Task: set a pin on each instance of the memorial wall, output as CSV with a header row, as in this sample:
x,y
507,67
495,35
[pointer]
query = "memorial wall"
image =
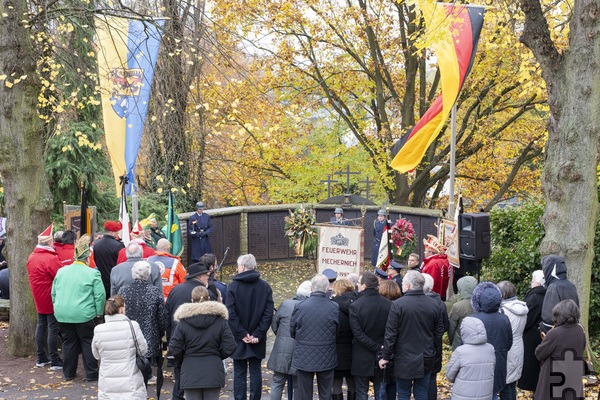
x,y
260,229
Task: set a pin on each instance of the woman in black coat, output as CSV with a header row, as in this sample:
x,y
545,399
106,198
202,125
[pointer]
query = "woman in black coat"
x,y
343,296
203,339
531,335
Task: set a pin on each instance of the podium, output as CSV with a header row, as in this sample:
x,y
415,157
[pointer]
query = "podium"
x,y
340,248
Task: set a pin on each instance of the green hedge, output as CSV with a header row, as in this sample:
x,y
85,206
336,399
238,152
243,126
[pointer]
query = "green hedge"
x,y
516,235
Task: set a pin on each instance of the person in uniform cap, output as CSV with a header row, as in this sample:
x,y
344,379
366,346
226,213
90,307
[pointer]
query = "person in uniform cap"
x,y
381,274
378,227
199,229
106,251
338,218
393,272
330,274
331,277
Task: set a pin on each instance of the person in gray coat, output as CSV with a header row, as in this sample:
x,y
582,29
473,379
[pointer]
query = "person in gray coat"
x,y
314,325
280,361
120,275
460,309
471,366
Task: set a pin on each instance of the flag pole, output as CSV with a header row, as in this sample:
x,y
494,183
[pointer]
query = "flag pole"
x,y
134,200
450,214
388,222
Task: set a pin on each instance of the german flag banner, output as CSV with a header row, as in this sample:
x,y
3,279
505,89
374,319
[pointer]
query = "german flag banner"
x,y
455,54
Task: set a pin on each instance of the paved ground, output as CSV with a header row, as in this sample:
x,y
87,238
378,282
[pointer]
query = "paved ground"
x,y
20,379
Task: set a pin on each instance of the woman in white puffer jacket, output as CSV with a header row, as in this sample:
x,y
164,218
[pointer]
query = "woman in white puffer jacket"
x,y
113,344
516,311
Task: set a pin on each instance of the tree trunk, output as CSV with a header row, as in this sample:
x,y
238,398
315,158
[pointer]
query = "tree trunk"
x,y
27,196
569,180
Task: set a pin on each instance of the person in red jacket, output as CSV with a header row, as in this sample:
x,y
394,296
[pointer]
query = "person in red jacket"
x,y
65,247
42,266
436,264
137,236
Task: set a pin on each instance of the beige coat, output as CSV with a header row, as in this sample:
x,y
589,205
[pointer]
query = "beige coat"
x,y
113,345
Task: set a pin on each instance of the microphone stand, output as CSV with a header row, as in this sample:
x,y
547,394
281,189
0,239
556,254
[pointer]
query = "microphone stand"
x,y
221,264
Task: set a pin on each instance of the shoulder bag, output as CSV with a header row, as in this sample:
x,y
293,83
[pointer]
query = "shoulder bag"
x,y
142,362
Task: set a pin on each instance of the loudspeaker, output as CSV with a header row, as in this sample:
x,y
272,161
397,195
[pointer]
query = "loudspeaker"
x,y
474,236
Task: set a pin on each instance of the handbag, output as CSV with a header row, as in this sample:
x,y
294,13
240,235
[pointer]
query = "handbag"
x,y
141,362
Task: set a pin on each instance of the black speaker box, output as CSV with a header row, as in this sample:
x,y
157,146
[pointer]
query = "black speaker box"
x,y
474,236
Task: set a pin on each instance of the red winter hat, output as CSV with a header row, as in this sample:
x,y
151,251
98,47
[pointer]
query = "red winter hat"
x,y
112,226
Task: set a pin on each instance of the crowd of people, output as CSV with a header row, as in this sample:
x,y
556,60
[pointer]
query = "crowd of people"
x,y
114,304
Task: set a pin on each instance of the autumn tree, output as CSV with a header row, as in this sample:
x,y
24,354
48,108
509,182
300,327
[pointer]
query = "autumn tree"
x,y
363,61
173,142
28,201
564,39
43,47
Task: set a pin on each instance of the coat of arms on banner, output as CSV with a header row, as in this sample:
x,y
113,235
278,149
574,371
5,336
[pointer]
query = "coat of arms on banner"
x,y
126,83
340,240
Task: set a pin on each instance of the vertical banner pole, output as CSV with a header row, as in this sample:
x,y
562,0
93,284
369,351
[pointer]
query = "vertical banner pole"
x,y
450,214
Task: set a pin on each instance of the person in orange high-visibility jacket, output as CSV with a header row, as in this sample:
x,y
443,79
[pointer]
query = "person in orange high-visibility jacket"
x,y
173,272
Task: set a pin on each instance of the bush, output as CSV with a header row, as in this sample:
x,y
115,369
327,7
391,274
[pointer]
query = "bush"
x,y
516,235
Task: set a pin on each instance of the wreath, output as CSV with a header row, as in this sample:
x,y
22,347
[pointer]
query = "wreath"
x,y
403,237
300,230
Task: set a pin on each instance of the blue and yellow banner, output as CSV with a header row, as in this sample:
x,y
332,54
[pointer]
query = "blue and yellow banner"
x,y
127,54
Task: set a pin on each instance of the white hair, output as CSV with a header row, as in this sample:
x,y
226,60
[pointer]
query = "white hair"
x,y
304,289
141,270
247,261
319,283
428,286
538,277
414,280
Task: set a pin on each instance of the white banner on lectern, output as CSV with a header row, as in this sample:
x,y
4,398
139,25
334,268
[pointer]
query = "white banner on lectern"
x,y
340,248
